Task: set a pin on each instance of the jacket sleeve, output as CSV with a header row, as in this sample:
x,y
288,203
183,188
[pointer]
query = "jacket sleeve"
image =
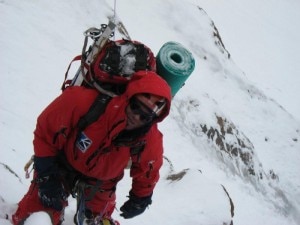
x,y
145,168
58,119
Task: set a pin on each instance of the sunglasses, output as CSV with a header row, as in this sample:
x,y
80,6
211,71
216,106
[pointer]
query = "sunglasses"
x,y
137,108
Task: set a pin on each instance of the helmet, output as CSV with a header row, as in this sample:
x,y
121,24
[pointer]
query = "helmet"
x,y
153,102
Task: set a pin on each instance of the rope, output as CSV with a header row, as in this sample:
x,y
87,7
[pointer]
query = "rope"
x,y
115,15
115,9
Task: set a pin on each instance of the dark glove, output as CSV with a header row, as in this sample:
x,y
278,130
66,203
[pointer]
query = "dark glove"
x,y
52,194
51,191
135,206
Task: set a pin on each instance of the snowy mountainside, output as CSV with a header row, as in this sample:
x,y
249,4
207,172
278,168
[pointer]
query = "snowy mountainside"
x,y
235,100
231,152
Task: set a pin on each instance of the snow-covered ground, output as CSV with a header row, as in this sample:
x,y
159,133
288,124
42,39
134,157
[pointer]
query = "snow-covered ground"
x,y
234,129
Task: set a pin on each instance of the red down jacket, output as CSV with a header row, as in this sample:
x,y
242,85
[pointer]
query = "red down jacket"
x,y
100,158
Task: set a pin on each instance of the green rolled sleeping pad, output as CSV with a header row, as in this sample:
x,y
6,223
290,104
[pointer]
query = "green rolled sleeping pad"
x,y
175,64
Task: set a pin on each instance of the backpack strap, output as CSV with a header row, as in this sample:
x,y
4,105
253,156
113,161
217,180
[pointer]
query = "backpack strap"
x,y
95,111
141,62
66,82
137,150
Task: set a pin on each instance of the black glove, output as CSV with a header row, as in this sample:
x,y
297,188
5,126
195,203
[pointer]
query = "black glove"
x,y
135,206
52,194
51,191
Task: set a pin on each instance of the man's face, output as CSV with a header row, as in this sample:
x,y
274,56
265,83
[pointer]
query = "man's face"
x,y
138,114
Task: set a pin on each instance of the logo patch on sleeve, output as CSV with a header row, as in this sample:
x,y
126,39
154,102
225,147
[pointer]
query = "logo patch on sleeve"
x,y
83,142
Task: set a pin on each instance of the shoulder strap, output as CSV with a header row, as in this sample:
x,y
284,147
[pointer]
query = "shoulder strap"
x,y
95,111
141,62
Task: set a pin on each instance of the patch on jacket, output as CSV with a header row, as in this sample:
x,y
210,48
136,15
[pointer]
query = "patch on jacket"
x,y
83,142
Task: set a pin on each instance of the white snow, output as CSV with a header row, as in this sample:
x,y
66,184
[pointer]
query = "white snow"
x,y
36,218
251,87
127,60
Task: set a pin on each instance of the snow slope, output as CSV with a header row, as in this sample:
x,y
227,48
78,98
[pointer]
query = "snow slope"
x,y
268,29
233,132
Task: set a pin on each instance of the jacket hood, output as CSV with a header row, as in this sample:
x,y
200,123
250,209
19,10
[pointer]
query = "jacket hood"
x,y
150,82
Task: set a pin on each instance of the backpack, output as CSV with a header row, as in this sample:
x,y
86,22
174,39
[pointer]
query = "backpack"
x,y
108,69
113,67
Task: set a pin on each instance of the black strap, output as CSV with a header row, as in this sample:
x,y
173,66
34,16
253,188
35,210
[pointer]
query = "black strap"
x,y
138,148
95,111
93,190
141,62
